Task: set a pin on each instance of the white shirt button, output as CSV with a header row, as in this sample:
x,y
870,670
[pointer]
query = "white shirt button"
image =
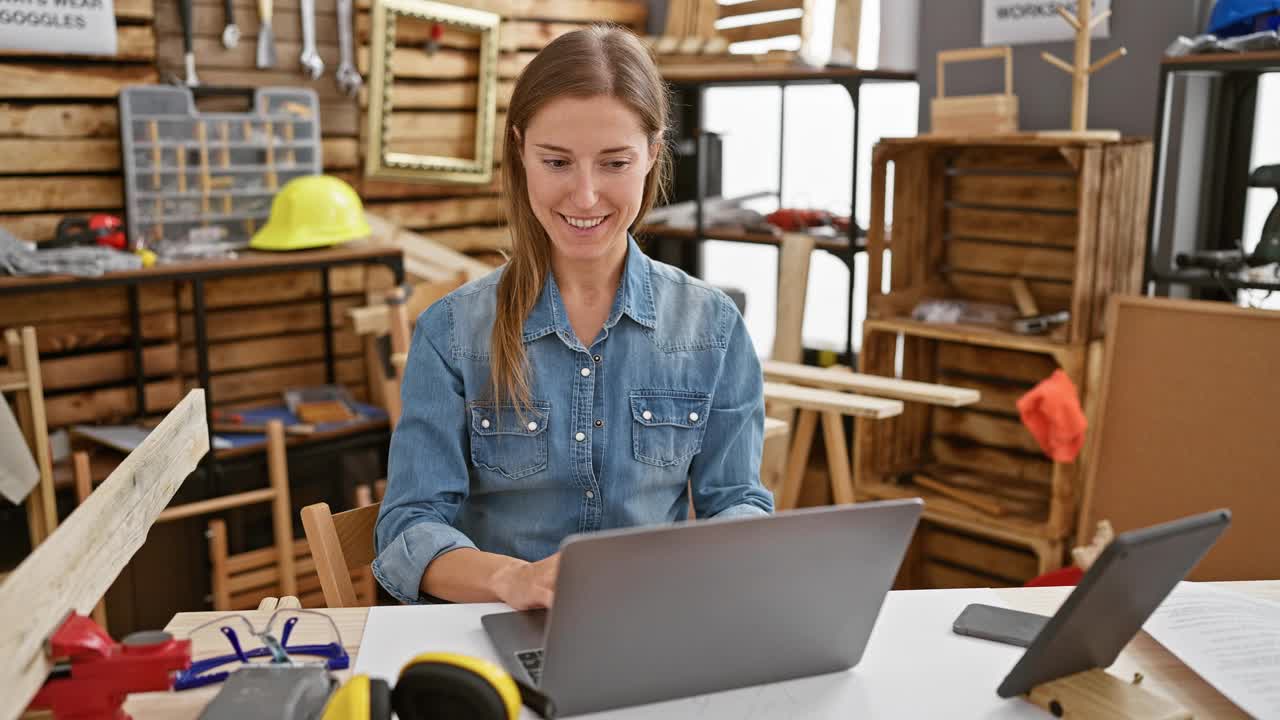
x,y
533,426
693,417
590,494
646,415
484,424
580,437
586,372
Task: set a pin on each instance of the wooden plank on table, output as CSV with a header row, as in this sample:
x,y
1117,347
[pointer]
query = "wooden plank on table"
x,y
1014,565
269,320
30,155
1022,260
762,31
111,366
1050,295
1021,226
444,94
844,403
985,429
84,192
26,80
1041,192
429,214
879,386
110,404
988,461
38,308
133,44
74,567
275,287
59,120
230,387
623,12
245,354
751,7
1021,159
1013,365
86,333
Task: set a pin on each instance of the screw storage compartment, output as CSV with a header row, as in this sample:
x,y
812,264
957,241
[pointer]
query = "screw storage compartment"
x,y
185,169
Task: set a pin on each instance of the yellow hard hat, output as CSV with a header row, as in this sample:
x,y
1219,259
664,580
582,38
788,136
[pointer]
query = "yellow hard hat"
x,y
312,211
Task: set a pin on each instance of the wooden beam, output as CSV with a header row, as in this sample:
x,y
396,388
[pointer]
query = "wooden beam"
x,y
876,385
844,403
87,81
59,121
623,12
29,155
443,94
101,368
115,402
429,214
18,194
75,566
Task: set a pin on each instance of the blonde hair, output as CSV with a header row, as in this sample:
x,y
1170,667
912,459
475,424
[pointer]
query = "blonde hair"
x,y
597,60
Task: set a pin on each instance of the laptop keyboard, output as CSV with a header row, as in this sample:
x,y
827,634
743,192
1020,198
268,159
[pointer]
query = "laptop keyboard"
x,y
532,662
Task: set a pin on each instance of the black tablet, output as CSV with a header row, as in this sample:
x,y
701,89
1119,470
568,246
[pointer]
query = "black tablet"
x,y
1129,580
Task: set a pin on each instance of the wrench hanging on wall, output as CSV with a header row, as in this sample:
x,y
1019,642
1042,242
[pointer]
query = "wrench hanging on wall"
x,y
230,33
348,77
266,42
312,65
188,56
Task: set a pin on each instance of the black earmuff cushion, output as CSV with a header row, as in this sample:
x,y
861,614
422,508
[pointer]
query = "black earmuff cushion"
x,y
379,699
440,691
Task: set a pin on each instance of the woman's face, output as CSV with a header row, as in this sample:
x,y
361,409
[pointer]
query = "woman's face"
x,y
585,163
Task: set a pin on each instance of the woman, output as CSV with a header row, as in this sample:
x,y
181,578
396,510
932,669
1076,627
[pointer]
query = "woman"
x,y
582,386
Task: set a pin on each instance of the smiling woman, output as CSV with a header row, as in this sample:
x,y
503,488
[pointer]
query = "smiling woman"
x,y
582,386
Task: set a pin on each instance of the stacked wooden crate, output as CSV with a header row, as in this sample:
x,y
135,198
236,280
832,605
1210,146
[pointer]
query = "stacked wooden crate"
x,y
971,215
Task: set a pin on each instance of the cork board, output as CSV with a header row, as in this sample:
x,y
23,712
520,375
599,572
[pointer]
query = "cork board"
x,y
1189,421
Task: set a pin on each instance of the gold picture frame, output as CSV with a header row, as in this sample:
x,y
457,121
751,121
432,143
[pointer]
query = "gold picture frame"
x,y
380,162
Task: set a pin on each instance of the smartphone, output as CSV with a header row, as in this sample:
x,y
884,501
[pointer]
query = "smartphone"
x,y
1012,627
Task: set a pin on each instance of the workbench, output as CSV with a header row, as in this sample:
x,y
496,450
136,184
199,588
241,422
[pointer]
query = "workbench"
x,y
1163,673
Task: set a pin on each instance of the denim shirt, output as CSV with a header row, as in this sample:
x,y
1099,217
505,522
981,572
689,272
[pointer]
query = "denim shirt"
x,y
668,396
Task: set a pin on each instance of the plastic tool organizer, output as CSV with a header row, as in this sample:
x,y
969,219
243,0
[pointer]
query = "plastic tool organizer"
x,y
186,170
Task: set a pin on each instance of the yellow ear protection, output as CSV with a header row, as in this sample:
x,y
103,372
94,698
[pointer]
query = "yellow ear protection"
x,y
436,686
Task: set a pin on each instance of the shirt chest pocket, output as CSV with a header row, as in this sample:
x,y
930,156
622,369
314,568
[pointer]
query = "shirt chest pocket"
x,y
668,425
504,441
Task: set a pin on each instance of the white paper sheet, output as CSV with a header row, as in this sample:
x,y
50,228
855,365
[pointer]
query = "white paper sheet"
x,y
1229,639
914,667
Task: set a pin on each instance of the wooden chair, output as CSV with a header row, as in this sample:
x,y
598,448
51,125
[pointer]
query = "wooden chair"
x,y
340,545
282,576
23,379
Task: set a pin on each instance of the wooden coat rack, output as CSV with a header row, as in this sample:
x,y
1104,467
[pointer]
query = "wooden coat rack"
x,y
1083,23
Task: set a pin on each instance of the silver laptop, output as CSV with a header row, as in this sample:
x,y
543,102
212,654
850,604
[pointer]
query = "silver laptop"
x,y
651,614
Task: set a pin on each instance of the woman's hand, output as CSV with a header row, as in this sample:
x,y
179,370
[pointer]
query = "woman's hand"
x,y
526,585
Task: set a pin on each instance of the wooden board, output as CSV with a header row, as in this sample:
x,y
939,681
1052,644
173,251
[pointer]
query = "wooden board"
x,y
75,566
1186,424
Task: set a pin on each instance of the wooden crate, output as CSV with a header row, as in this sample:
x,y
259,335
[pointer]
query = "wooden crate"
x,y
971,214
981,449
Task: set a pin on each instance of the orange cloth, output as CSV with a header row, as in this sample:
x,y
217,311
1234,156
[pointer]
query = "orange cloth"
x,y
1051,411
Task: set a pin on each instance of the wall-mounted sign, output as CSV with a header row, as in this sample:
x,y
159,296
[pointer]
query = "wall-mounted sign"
x,y
71,27
1015,22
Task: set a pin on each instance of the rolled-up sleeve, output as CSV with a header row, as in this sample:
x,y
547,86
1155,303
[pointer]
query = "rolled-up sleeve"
x,y
427,467
725,475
